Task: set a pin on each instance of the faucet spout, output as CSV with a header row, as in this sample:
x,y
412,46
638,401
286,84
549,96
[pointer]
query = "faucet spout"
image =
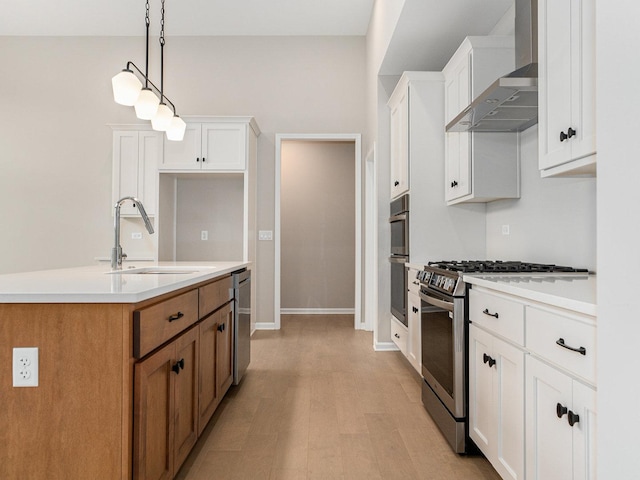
x,y
116,251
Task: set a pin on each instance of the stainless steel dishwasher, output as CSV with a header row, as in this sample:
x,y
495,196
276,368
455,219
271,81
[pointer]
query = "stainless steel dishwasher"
x,y
242,323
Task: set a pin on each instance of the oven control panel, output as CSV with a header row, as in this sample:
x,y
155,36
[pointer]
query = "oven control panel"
x,y
439,281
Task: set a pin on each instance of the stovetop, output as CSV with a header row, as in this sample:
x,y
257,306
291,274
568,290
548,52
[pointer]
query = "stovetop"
x,y
498,266
445,277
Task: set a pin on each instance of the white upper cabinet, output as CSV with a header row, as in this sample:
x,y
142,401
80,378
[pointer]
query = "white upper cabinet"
x,y
210,146
480,167
136,154
567,142
399,106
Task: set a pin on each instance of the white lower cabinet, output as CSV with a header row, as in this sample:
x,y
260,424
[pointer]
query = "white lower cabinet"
x,y
532,387
561,425
414,347
496,401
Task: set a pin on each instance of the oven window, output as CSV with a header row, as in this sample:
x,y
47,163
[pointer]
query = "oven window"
x,y
437,344
399,244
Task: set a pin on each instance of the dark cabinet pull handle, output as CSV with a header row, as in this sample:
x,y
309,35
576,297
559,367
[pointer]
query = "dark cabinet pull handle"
x,y
221,327
454,184
178,365
487,359
415,310
396,335
563,136
177,316
203,159
396,183
198,159
486,312
573,418
571,132
560,410
580,350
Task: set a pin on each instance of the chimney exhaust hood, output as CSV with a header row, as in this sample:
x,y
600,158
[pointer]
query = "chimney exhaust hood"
x,y
510,104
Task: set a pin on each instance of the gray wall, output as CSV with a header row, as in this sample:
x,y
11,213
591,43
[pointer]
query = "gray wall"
x,y
55,142
317,225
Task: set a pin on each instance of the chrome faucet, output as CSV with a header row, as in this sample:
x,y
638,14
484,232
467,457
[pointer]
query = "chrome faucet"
x,y
116,251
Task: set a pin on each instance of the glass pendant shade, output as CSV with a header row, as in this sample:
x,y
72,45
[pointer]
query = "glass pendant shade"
x,y
147,104
126,88
176,130
162,119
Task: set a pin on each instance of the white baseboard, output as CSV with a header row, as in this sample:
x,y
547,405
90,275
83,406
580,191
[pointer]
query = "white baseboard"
x,y
317,311
385,347
265,326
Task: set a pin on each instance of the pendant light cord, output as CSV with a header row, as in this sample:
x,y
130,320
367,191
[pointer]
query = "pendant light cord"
x,y
161,53
146,67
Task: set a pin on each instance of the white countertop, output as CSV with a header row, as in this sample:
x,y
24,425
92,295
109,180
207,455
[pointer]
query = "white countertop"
x,y
576,292
97,284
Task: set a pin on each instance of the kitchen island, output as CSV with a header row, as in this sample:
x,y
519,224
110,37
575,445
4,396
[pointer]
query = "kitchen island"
x,y
131,366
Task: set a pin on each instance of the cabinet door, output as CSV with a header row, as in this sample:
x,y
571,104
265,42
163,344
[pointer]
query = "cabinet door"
x,y
125,169
223,146
149,156
224,349
184,155
186,396
549,439
414,348
153,434
567,80
510,413
555,80
400,146
584,432
482,418
208,397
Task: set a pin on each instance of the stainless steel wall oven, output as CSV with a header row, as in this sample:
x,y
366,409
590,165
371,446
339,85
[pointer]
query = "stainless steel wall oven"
x,y
399,223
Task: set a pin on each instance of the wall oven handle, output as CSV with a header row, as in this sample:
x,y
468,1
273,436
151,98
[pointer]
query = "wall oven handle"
x,y
437,302
398,218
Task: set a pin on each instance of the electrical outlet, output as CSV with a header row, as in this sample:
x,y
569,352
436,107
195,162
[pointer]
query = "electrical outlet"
x,y
505,229
265,235
136,236
204,235
25,367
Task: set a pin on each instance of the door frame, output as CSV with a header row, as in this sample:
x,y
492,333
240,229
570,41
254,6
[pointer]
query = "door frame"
x,y
337,137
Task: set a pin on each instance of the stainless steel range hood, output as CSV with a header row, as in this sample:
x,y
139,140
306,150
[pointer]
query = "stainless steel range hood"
x,y
510,104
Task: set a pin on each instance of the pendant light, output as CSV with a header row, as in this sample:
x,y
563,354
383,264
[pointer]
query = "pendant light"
x,y
128,90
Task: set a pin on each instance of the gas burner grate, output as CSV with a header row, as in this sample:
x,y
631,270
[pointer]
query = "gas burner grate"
x,y
498,266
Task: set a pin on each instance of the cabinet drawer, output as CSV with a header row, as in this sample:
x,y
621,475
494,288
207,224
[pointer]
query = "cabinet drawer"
x,y
545,330
154,325
214,295
399,334
500,315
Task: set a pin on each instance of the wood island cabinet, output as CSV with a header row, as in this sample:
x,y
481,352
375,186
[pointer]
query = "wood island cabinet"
x,y
122,386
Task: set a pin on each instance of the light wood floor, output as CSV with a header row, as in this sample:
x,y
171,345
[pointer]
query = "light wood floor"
x,y
318,402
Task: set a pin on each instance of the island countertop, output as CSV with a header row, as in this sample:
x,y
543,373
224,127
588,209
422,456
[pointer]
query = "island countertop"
x,y
99,284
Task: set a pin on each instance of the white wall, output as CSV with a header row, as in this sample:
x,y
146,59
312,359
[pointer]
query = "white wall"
x,y
554,221
55,145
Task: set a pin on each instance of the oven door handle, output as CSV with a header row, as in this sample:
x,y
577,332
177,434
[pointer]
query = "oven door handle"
x,y
437,302
398,218
398,259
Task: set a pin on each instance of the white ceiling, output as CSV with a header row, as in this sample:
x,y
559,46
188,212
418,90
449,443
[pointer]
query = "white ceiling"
x,y
185,17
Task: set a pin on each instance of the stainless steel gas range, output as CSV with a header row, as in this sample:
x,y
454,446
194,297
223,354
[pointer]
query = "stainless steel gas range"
x,y
445,344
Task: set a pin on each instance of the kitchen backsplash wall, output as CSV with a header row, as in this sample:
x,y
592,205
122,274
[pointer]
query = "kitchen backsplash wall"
x,y
554,221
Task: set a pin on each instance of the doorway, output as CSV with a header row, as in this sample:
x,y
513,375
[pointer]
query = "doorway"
x,y
316,249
